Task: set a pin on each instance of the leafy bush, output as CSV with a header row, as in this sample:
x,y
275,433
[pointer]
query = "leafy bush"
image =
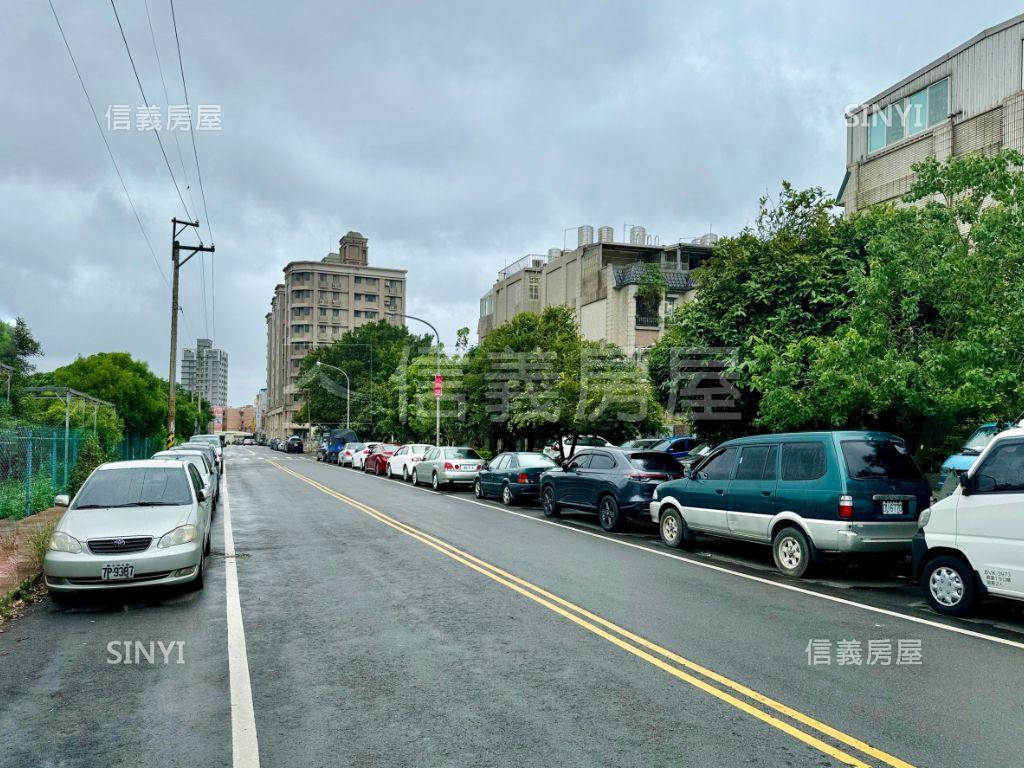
x,y
90,456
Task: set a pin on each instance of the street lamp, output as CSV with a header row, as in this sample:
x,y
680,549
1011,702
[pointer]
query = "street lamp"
x,y
437,375
348,393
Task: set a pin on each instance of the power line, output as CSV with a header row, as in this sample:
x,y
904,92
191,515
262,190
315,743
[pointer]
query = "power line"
x,y
145,101
199,172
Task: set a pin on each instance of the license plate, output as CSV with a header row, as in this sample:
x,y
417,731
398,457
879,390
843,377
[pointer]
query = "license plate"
x,y
892,507
118,572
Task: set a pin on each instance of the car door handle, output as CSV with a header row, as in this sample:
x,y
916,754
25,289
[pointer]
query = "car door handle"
x,y
720,491
766,493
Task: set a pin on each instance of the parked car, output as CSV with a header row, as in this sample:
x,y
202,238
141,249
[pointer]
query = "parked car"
x,y
640,443
293,444
207,470
336,440
678,447
696,455
210,454
971,543
616,484
958,463
248,441
446,465
559,450
512,476
405,458
132,523
346,454
376,461
359,457
216,441
802,493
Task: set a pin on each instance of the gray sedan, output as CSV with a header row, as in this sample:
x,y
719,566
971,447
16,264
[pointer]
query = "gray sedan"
x,y
133,523
446,465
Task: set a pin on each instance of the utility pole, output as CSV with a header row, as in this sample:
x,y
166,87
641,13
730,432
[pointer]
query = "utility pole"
x,y
177,227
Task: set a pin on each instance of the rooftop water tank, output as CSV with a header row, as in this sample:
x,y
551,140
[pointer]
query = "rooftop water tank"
x,y
585,235
637,235
606,235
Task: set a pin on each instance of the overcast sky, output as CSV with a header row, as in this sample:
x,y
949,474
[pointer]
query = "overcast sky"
x,y
457,136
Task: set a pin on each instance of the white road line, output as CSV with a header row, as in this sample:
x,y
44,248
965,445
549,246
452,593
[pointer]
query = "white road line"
x,y
740,574
245,751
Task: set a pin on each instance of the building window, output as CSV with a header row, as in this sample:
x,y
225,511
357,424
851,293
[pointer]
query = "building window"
x,y
534,289
487,306
907,117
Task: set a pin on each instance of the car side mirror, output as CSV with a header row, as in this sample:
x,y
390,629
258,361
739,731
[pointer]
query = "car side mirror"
x,y
62,500
201,494
965,484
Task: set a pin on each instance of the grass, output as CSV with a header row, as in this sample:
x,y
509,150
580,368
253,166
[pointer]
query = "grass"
x,y
40,542
12,496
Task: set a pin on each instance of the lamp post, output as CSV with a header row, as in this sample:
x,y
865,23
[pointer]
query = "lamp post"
x,y
437,375
348,393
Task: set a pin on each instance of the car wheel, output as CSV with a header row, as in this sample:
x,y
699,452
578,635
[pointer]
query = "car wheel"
x,y
547,500
949,586
434,483
206,549
405,473
478,489
506,496
793,552
415,479
388,472
608,513
673,528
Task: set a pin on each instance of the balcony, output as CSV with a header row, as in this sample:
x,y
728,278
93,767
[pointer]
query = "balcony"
x,y
648,321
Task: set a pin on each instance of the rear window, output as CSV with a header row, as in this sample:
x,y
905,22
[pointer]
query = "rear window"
x,y
803,461
534,460
138,486
876,459
588,441
460,453
655,461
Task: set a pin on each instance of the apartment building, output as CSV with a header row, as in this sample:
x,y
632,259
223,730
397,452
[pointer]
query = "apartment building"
x,y
204,371
601,281
968,100
318,302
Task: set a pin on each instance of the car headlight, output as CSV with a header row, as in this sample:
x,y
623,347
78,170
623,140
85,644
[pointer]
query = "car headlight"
x,y
181,535
922,521
62,542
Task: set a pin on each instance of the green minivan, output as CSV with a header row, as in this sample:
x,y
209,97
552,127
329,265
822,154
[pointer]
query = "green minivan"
x,y
804,493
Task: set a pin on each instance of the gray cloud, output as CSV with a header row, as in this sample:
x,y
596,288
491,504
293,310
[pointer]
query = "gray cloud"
x,y
456,136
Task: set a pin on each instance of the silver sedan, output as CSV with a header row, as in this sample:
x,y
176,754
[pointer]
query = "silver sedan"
x,y
133,523
447,465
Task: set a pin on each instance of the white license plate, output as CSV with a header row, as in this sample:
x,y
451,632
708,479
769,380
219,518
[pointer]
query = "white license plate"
x,y
892,507
118,572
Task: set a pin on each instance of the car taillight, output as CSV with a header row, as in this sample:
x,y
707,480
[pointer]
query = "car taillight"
x,y
449,465
523,478
647,476
416,458
846,506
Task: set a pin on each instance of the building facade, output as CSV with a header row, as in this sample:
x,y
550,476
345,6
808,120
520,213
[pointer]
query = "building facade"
x,y
204,371
602,282
260,411
239,419
968,100
318,302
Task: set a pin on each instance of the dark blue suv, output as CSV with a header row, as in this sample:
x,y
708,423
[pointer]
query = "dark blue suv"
x,y
617,484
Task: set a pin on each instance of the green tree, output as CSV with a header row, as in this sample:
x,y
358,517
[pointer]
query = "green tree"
x,y
931,344
785,279
17,348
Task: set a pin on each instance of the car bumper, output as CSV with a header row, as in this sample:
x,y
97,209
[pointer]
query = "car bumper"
x,y
64,572
525,489
655,511
467,478
918,549
857,538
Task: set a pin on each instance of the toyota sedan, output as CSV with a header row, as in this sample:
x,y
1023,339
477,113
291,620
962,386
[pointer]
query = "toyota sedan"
x,y
133,523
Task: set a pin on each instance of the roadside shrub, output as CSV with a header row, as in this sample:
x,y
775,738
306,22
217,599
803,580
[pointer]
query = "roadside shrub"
x,y
90,456
40,542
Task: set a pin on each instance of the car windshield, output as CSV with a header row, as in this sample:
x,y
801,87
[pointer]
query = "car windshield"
x,y
460,453
135,487
983,436
419,448
386,448
534,460
194,459
871,459
653,462
354,446
661,445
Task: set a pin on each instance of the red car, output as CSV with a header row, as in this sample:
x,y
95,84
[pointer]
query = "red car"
x,y
377,459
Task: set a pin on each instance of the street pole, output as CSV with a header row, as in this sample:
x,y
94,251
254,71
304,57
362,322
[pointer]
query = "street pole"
x,y
437,375
177,227
348,393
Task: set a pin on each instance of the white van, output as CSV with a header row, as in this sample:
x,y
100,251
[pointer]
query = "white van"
x,y
971,543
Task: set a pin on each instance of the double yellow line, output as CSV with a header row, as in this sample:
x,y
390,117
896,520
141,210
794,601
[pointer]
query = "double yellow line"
x,y
772,712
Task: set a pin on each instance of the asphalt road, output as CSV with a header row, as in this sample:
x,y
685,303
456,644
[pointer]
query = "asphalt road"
x,y
353,620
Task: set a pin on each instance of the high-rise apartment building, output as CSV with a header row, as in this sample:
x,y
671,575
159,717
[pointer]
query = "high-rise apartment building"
x,y
317,303
204,371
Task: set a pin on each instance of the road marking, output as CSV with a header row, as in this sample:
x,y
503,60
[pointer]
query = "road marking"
x,y
637,645
750,577
245,751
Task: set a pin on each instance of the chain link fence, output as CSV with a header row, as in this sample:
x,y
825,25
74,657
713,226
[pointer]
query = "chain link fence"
x,y
38,463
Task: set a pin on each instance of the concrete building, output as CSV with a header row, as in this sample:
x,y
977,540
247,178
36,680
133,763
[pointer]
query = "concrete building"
x,y
968,100
260,411
204,371
239,419
317,303
601,282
